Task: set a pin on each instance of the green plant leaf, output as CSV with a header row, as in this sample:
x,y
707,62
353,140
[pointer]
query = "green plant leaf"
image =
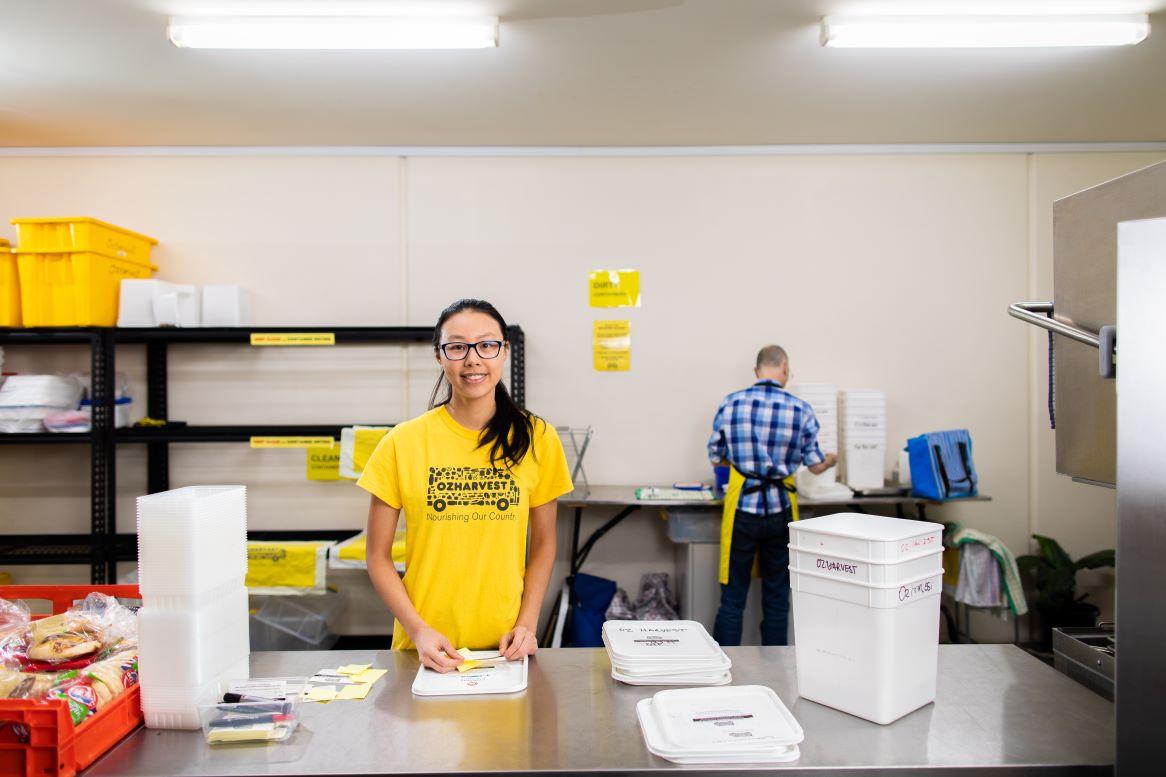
x,y
1098,560
1053,552
1031,564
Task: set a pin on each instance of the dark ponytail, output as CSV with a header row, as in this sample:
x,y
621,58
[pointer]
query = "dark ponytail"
x,y
510,432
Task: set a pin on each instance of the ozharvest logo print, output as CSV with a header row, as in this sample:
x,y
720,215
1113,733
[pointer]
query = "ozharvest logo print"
x,y
470,486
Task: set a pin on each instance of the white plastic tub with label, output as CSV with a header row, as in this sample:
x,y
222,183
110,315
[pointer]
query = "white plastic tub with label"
x,y
867,648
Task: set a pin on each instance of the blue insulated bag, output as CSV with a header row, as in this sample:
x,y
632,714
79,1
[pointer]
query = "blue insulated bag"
x,y
942,466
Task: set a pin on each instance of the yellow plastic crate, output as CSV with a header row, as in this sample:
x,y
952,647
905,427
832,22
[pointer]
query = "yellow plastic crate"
x,y
9,286
81,233
77,288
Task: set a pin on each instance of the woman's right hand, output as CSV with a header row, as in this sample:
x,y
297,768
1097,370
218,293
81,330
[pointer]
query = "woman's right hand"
x,y
435,651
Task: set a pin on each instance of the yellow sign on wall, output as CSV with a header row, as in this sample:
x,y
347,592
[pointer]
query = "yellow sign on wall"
x,y
324,463
612,345
614,288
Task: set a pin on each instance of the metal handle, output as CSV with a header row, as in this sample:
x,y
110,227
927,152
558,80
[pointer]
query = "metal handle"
x,y
1032,313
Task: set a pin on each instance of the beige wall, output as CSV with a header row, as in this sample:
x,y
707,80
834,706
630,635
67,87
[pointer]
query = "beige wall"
x,y
881,271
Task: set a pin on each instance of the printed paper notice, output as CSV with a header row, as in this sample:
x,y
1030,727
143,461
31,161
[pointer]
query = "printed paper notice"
x,y
614,288
613,346
324,463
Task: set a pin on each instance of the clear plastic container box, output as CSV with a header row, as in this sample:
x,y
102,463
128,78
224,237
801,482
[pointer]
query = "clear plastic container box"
x,y
192,544
182,649
297,622
249,722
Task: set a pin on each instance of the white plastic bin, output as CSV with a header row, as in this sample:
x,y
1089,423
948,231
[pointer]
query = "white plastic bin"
x,y
181,649
225,305
869,649
867,537
178,708
192,545
862,571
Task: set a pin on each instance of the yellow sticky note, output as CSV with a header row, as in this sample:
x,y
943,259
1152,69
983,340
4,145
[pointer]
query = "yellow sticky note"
x,y
612,345
352,668
324,463
321,693
369,676
353,692
614,288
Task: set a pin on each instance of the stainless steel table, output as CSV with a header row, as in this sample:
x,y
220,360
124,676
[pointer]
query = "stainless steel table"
x,y
998,710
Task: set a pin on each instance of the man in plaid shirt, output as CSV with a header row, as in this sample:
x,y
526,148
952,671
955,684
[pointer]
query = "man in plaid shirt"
x,y
765,433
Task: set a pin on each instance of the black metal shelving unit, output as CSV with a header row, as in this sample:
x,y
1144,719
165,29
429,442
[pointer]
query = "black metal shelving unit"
x,y
103,547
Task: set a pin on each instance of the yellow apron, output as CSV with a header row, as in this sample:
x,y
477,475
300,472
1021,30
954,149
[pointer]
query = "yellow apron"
x,y
732,496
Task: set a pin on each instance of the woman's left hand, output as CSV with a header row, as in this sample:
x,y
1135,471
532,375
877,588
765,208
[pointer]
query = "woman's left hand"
x,y
516,643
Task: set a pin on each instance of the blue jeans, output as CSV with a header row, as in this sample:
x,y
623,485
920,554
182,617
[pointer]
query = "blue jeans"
x,y
769,535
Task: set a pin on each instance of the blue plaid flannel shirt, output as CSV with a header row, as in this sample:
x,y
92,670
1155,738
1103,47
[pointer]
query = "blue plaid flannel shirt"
x,y
766,431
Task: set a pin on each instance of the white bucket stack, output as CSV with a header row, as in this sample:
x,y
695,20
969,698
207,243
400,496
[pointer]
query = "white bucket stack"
x,y
866,612
823,399
734,725
664,653
864,438
193,629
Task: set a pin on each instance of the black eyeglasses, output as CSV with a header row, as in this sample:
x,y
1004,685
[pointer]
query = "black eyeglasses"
x,y
487,349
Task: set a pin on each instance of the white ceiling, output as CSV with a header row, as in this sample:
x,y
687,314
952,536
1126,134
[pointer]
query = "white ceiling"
x,y
567,72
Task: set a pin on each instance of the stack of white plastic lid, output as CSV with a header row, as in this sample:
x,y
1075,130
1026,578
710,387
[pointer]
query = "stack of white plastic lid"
x,y
864,438
866,612
738,724
823,399
193,628
665,653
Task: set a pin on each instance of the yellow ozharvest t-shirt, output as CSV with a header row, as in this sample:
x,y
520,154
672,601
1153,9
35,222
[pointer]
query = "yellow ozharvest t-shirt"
x,y
465,522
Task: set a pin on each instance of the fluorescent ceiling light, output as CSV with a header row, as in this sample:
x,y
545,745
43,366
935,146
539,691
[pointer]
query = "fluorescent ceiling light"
x,y
935,32
332,32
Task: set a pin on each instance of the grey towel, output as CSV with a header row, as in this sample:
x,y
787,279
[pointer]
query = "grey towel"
x,y
980,584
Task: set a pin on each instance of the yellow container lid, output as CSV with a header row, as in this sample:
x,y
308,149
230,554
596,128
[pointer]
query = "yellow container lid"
x,y
4,244
86,220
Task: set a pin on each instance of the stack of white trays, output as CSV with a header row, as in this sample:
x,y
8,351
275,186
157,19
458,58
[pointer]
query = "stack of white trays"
x,y
866,612
864,438
193,626
664,653
823,399
739,724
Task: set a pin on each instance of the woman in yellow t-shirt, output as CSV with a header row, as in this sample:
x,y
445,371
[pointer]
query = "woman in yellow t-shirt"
x,y
471,475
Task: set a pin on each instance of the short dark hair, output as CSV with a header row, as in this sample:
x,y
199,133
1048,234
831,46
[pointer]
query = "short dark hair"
x,y
771,356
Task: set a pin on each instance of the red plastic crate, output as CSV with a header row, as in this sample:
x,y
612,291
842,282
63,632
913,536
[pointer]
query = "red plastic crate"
x,y
38,739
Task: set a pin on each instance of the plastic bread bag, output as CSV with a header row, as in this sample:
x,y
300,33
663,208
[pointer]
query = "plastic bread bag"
x,y
25,685
14,632
79,692
116,623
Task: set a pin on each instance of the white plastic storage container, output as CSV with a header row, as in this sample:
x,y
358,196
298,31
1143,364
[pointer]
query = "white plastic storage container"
x,y
869,649
297,622
178,707
225,305
192,545
180,649
867,537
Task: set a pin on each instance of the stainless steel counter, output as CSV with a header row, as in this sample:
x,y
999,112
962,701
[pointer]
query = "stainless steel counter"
x,y
997,709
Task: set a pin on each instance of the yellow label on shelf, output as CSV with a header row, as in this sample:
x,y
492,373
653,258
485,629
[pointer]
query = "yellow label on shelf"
x,y
612,345
324,462
614,288
292,442
293,338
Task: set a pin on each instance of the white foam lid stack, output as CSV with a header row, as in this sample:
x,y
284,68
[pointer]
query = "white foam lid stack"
x,y
866,612
738,724
664,653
